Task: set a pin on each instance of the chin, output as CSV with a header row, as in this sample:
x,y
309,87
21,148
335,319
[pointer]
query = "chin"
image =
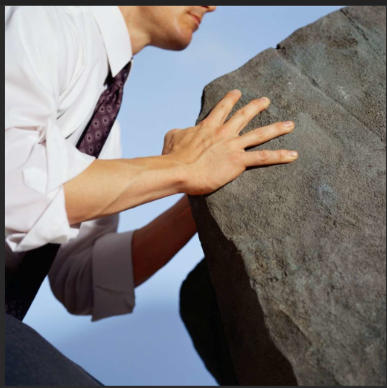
x,y
181,39
181,45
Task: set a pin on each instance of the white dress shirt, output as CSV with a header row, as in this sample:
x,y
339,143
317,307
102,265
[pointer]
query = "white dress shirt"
x,y
56,63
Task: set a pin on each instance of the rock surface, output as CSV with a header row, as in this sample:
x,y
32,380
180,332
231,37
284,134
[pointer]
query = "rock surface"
x,y
297,252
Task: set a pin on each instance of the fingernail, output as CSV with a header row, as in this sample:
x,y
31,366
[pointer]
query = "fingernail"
x,y
288,124
292,154
265,100
236,91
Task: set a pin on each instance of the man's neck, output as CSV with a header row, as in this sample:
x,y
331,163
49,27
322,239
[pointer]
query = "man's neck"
x,y
138,37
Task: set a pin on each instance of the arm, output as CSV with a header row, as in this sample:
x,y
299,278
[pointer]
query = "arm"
x,y
38,159
196,160
156,244
96,274
111,186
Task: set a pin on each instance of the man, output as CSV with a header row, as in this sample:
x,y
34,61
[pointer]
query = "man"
x,y
65,181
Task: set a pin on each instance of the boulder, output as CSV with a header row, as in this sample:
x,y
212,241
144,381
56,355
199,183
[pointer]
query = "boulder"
x,y
297,253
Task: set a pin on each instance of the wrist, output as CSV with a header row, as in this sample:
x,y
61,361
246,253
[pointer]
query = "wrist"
x,y
180,174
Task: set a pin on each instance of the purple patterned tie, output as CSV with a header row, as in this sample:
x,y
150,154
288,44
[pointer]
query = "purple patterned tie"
x,y
104,116
25,283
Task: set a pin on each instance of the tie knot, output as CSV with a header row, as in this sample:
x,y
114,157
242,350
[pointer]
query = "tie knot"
x,y
120,79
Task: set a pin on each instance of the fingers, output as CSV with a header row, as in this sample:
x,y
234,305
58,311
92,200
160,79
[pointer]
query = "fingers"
x,y
247,113
219,114
266,158
264,134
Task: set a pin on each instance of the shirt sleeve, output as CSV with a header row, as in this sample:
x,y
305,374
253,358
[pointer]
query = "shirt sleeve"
x,y
93,275
39,63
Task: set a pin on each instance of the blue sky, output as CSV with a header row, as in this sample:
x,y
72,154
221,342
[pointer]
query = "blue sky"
x,y
151,346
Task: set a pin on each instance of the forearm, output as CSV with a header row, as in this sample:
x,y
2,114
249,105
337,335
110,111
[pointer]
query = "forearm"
x,y
111,186
156,244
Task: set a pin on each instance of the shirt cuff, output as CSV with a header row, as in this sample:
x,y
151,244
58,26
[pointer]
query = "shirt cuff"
x,y
113,280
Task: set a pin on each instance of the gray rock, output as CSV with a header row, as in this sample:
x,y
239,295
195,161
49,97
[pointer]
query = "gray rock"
x,y
297,252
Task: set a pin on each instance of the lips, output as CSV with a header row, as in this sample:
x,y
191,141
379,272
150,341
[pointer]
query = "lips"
x,y
197,18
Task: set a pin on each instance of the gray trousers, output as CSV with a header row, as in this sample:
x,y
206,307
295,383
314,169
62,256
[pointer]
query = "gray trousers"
x,y
31,360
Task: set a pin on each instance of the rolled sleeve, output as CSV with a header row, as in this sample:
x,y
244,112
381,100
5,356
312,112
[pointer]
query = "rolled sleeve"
x,y
35,209
113,276
93,275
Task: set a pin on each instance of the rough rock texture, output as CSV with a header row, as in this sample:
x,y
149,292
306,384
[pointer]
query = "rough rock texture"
x,y
297,252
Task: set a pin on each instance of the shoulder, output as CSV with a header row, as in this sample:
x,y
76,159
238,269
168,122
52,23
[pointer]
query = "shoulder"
x,y
49,38
40,25
37,19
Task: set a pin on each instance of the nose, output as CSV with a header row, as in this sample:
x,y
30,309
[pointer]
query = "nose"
x,y
210,8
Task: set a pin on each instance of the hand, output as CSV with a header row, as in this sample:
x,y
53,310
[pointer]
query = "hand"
x,y
213,153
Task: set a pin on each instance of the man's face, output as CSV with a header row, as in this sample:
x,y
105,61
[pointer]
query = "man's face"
x,y
171,27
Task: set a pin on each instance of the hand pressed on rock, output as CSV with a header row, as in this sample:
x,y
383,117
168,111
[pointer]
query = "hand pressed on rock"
x,y
213,152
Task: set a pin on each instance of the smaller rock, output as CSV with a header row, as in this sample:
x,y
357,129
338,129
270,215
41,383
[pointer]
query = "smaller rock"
x,y
201,316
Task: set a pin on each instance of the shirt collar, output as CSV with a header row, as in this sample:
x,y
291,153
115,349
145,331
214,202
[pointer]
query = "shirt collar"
x,y
116,37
